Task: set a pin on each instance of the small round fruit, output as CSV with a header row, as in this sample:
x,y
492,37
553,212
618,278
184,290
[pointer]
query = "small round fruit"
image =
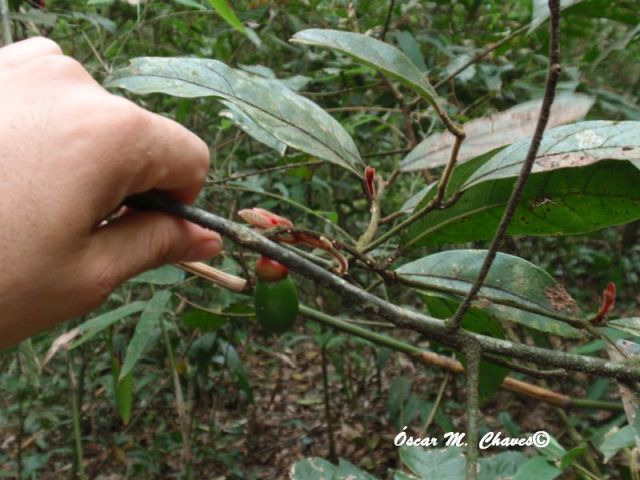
x,y
276,304
269,270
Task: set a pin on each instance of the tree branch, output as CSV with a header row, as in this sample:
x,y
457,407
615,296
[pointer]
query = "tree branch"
x,y
553,75
431,327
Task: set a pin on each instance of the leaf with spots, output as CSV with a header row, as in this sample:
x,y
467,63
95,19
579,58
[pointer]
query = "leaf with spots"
x,y
494,131
375,54
585,178
515,290
273,108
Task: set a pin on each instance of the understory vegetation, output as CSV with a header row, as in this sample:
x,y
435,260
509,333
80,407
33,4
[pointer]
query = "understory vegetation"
x,y
399,158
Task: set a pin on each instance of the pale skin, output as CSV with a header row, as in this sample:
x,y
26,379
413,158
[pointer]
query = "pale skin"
x,y
70,153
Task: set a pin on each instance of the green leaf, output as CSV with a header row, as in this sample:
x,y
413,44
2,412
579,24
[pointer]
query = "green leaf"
x,y
629,325
515,290
91,328
165,275
348,471
251,128
585,178
313,468
291,118
124,397
122,389
476,321
224,10
233,361
619,11
494,131
192,4
537,468
29,362
203,320
501,466
441,463
373,53
570,146
617,440
148,321
409,45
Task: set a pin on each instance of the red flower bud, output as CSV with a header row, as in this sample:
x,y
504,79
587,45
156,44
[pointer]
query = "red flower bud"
x,y
608,301
369,181
261,218
268,270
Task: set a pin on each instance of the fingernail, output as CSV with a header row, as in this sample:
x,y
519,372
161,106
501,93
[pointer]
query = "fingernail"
x,y
204,250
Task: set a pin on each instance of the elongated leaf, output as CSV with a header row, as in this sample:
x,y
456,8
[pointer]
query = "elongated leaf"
x,y
313,468
373,53
165,275
629,325
537,468
440,463
515,290
122,389
233,361
223,9
124,397
585,178
289,117
140,339
203,320
626,12
570,146
91,328
251,128
348,470
497,130
501,466
460,175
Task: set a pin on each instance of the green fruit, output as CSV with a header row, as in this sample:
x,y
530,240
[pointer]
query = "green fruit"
x,y
276,304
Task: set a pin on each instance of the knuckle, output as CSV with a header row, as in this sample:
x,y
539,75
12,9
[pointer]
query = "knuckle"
x,y
61,65
45,45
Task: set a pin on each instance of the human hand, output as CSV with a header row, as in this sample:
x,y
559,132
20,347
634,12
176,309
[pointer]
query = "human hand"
x,y
70,154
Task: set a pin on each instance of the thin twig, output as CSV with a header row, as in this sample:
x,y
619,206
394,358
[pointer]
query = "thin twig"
x,y
387,21
341,91
472,372
262,171
363,108
436,405
476,58
374,220
436,202
553,75
387,153
516,367
401,317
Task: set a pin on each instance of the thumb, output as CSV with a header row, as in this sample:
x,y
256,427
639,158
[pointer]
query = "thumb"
x,y
140,241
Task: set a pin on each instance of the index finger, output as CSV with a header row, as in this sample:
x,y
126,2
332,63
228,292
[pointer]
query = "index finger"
x,y
163,155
